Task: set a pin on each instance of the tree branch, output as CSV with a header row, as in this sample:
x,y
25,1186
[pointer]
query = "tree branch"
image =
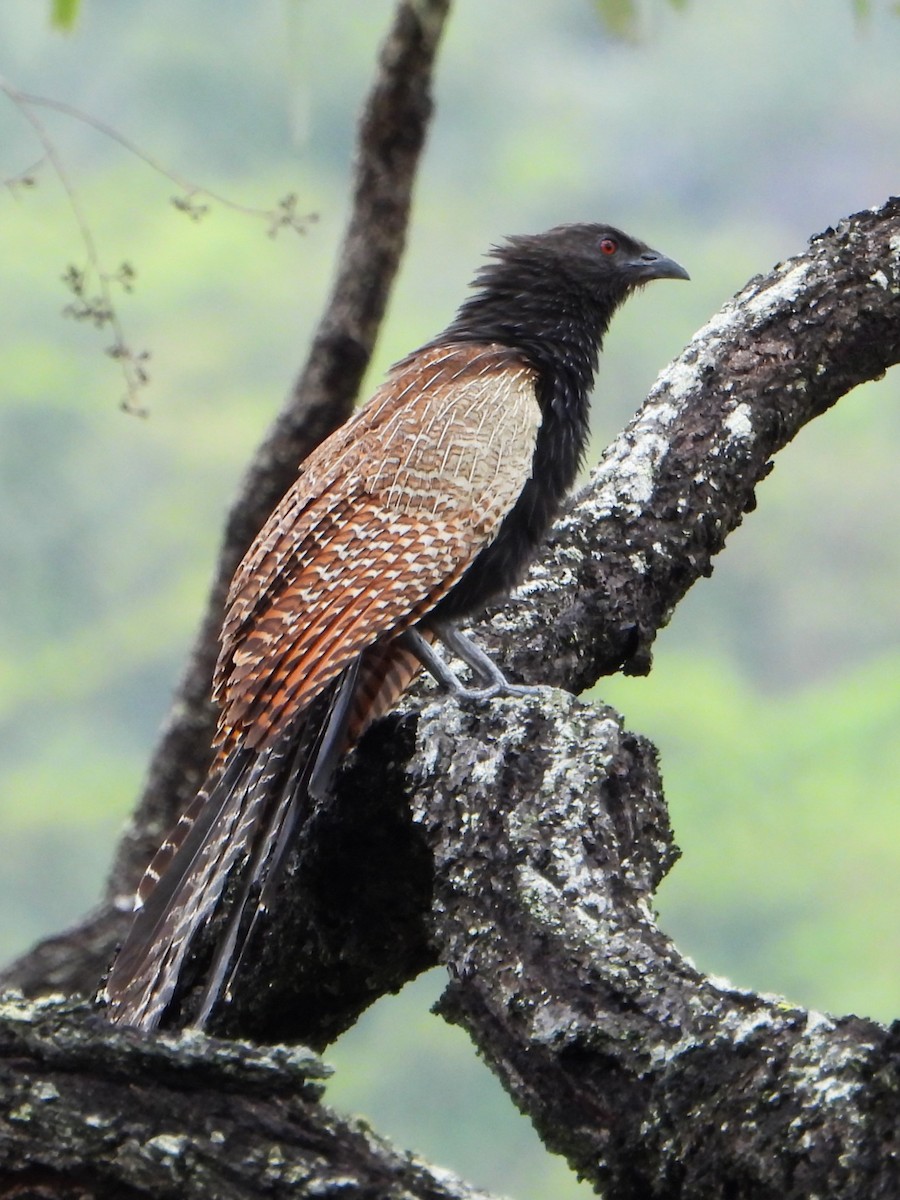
x,y
659,506
92,1111
654,1081
546,821
681,475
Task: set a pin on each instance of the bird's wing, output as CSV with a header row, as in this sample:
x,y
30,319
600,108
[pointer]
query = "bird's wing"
x,y
383,520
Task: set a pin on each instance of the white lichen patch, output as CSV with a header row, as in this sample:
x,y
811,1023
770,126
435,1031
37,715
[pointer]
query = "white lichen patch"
x,y
275,1163
626,478
552,1021
485,772
739,424
681,377
538,578
570,766
561,574
97,1121
14,1006
659,413
548,905
880,280
168,1145
429,748
827,1071
782,291
44,1091
193,1045
752,1023
756,304
894,243
637,472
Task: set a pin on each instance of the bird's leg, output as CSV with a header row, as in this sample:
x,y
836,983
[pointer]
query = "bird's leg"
x,y
485,670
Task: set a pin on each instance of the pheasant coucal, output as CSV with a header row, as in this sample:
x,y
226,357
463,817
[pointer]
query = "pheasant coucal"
x,y
424,506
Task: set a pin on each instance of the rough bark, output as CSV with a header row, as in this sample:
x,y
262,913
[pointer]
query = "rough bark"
x,y
89,1112
652,1080
536,832
660,505
681,475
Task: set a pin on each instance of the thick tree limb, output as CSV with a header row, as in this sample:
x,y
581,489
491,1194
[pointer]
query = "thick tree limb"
x,y
654,1081
95,1113
390,139
659,506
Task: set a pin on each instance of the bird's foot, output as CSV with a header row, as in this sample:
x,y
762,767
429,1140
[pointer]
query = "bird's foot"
x,y
494,682
500,687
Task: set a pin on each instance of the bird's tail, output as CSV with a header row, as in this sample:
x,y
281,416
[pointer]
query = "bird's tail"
x,y
229,847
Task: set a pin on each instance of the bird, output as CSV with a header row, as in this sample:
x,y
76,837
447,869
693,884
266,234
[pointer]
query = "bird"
x,y
426,505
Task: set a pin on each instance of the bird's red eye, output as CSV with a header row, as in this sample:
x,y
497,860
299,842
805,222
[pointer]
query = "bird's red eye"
x,y
608,246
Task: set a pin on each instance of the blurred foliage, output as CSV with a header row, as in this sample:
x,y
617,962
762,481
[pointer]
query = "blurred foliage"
x,y
625,18
726,135
619,16
64,13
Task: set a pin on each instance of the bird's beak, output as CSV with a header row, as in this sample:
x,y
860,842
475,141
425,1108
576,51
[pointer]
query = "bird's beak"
x,y
650,264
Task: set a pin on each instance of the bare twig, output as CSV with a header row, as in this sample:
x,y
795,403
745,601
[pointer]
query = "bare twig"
x,y
99,308
283,216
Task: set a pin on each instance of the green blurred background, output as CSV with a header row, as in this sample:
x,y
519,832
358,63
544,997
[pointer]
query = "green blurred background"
x,y
725,134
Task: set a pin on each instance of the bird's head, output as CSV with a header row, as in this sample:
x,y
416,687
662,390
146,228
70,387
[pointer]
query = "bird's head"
x,y
552,295
599,260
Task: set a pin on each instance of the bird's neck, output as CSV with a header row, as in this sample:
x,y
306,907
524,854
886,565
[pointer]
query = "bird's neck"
x,y
560,332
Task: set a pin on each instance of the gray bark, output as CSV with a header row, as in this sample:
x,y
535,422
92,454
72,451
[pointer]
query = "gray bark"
x,y
89,1112
519,843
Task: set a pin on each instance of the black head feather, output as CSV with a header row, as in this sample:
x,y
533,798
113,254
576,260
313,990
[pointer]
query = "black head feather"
x,y
553,294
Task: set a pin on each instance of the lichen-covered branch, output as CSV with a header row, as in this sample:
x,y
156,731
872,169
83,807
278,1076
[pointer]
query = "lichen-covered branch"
x,y
653,1080
545,826
680,477
87,1110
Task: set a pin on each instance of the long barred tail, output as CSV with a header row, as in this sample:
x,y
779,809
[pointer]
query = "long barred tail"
x,y
229,846
221,833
